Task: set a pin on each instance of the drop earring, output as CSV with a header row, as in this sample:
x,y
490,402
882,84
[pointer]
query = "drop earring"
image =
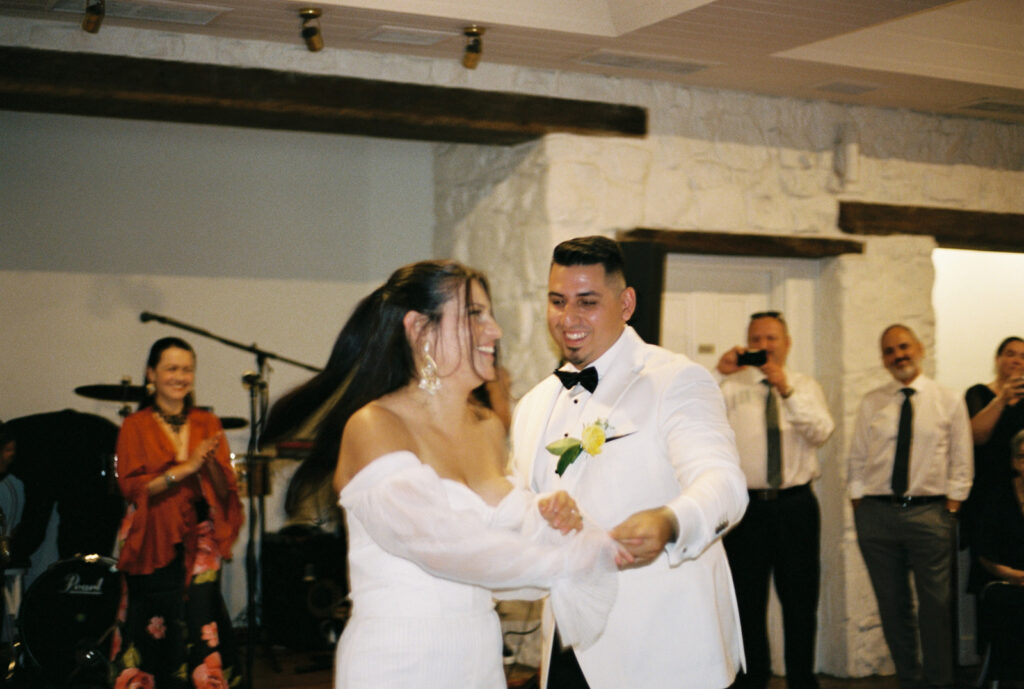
x,y
429,379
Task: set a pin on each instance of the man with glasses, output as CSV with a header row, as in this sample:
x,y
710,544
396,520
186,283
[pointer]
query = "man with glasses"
x,y
781,419
911,464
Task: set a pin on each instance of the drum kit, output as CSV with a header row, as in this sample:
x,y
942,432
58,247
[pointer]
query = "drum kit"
x,y
68,614
66,620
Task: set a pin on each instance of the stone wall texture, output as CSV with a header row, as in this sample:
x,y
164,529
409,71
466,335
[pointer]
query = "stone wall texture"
x,y
718,161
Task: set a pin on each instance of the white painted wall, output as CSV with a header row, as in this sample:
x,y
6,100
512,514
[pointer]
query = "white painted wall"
x,y
257,236
979,301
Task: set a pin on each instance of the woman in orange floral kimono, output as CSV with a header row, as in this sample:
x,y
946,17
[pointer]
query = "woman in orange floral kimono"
x,y
183,516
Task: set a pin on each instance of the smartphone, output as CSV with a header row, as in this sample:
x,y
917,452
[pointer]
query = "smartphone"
x,y
757,357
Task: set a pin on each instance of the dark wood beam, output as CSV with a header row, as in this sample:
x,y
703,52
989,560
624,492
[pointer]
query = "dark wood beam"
x,y
137,88
953,229
735,244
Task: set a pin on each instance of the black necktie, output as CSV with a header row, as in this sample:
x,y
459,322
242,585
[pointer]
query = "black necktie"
x,y
587,378
901,465
771,423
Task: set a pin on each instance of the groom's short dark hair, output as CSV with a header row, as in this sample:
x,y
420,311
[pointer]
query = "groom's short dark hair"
x,y
589,251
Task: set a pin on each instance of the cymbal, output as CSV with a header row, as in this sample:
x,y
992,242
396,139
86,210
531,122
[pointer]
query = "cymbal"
x,y
112,393
230,422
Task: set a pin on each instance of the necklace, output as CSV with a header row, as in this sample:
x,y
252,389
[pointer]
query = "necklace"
x,y
175,421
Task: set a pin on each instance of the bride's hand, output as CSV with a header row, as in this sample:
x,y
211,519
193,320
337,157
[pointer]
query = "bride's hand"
x,y
560,512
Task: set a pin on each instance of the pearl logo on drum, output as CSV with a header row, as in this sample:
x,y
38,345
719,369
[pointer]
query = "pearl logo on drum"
x,y
73,586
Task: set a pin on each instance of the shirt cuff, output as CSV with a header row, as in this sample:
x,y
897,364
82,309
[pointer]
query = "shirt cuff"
x,y
692,529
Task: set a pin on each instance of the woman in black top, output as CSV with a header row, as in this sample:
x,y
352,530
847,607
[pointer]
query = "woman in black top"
x,y
996,417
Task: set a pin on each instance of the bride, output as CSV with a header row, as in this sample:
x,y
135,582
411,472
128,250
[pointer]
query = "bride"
x,y
434,526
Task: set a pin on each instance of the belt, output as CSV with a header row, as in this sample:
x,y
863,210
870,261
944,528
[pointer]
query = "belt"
x,y
907,500
777,493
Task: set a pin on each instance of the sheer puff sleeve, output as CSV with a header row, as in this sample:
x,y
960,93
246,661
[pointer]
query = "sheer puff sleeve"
x,y
403,505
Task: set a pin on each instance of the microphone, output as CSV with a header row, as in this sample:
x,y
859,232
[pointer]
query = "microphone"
x,y
250,378
146,316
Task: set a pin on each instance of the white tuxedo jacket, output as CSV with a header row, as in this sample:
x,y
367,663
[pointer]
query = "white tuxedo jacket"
x,y
675,622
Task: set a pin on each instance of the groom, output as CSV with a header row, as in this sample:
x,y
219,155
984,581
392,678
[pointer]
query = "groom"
x,y
666,482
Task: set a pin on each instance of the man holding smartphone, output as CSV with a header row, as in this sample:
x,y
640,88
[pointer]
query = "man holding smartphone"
x,y
780,418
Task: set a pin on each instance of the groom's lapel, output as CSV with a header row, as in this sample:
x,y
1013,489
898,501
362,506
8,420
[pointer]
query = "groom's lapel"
x,y
607,401
533,443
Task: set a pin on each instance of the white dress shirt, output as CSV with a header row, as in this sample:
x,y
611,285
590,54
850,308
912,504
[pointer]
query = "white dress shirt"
x,y
804,422
567,418
941,451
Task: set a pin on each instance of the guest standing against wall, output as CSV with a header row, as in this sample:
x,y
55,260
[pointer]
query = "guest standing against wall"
x,y
910,467
781,419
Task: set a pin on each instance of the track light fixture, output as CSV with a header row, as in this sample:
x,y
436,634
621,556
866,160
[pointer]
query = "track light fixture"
x,y
311,28
95,10
474,46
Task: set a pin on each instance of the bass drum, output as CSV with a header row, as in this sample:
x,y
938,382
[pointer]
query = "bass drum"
x,y
67,618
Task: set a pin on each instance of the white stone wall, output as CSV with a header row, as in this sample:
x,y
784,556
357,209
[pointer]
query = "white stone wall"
x,y
721,161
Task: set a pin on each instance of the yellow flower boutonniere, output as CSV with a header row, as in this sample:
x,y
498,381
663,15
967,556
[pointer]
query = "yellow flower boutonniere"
x,y
591,441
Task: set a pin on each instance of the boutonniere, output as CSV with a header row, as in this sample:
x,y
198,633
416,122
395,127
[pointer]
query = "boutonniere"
x,y
591,441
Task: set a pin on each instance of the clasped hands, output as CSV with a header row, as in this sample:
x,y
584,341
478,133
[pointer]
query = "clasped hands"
x,y
204,452
641,537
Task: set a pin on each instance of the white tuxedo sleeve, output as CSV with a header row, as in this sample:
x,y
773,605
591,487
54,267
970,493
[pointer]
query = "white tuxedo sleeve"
x,y
702,448
402,504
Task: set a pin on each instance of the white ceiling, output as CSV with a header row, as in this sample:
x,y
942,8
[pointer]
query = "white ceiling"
x,y
964,57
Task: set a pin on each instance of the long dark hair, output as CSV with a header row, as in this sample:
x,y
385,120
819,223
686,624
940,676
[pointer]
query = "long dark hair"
x,y
371,357
157,351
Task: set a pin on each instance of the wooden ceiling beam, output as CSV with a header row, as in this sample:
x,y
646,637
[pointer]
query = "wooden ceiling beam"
x,y
738,244
952,229
138,88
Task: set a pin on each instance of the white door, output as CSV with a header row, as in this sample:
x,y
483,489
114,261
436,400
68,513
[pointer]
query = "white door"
x,y
705,311
708,301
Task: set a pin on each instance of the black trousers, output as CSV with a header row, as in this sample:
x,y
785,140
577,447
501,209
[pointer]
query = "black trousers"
x,y
564,671
780,539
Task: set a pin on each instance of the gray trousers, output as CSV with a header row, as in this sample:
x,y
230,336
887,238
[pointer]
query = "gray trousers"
x,y
897,542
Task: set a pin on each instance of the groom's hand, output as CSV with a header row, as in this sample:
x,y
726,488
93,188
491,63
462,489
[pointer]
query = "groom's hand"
x,y
644,534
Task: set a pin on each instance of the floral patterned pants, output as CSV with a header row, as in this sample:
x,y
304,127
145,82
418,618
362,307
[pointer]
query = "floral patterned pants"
x,y
174,635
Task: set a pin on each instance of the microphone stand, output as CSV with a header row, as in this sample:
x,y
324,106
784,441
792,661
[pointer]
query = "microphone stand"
x,y
256,384
261,354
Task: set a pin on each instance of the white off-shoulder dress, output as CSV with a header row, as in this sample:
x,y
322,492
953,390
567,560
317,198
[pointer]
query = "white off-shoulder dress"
x,y
425,555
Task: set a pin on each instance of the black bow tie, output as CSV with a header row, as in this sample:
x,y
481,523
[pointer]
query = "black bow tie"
x,y
587,378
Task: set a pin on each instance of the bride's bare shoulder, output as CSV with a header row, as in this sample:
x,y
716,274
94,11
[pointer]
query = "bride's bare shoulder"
x,y
373,431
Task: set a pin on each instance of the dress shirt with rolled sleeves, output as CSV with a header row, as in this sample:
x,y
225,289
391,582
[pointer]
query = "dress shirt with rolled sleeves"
x,y
941,451
804,420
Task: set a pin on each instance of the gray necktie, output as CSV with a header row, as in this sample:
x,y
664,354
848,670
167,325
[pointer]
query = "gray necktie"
x,y
771,424
901,464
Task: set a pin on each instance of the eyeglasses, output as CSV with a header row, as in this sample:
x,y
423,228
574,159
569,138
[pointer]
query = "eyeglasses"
x,y
766,314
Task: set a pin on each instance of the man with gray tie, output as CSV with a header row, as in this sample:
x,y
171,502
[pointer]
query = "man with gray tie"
x,y
910,466
781,419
